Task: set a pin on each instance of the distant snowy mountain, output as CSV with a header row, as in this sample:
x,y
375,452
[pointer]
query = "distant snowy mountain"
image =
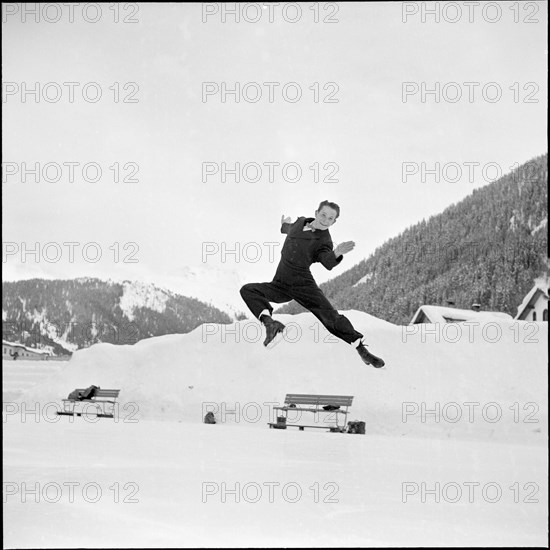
x,y
218,287
76,313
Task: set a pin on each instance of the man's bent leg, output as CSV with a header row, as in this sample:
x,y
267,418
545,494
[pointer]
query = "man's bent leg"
x,y
312,298
258,295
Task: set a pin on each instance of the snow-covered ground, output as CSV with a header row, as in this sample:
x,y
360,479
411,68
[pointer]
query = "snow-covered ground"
x,y
455,451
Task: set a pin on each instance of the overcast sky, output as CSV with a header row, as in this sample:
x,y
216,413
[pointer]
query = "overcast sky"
x,y
163,126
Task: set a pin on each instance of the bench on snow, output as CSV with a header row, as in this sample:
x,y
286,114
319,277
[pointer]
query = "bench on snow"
x,y
103,401
337,404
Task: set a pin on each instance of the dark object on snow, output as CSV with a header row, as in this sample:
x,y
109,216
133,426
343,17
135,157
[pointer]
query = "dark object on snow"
x,y
356,427
89,392
337,429
331,407
75,395
209,418
281,423
79,395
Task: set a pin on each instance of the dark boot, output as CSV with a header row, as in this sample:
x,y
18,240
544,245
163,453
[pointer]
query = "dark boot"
x,y
274,331
368,358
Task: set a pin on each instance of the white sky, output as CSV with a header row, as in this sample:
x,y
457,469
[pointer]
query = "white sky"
x,y
170,132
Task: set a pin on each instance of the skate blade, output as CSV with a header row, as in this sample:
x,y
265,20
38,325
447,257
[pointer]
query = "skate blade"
x,y
278,338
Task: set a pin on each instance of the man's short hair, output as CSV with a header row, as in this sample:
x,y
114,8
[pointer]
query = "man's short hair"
x,y
332,205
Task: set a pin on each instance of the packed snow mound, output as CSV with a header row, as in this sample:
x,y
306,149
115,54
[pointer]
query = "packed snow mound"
x,y
485,380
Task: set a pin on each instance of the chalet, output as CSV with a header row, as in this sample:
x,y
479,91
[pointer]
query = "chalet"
x,y
12,351
535,305
442,314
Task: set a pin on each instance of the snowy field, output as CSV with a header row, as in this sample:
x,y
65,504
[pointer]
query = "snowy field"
x,y
455,451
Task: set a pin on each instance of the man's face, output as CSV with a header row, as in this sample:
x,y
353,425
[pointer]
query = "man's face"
x,y
324,218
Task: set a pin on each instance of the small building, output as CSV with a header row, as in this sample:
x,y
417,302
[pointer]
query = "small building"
x,y
535,305
12,351
442,314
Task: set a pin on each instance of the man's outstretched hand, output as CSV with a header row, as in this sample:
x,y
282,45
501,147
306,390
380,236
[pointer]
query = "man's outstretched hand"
x,y
285,220
344,248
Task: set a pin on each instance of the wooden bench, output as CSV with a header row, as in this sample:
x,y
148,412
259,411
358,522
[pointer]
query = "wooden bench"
x,y
100,400
314,404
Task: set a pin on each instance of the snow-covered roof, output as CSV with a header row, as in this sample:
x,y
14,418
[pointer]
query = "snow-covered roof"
x,y
441,314
540,289
26,348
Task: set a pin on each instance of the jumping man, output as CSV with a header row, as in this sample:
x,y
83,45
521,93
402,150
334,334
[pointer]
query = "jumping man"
x,y
308,240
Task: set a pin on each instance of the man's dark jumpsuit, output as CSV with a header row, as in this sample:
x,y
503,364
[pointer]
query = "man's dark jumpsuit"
x,y
293,279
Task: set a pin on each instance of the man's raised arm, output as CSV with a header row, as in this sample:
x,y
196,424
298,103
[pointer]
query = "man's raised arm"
x,y
285,224
331,258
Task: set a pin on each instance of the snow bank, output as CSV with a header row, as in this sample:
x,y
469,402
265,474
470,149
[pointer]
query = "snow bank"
x,y
484,381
